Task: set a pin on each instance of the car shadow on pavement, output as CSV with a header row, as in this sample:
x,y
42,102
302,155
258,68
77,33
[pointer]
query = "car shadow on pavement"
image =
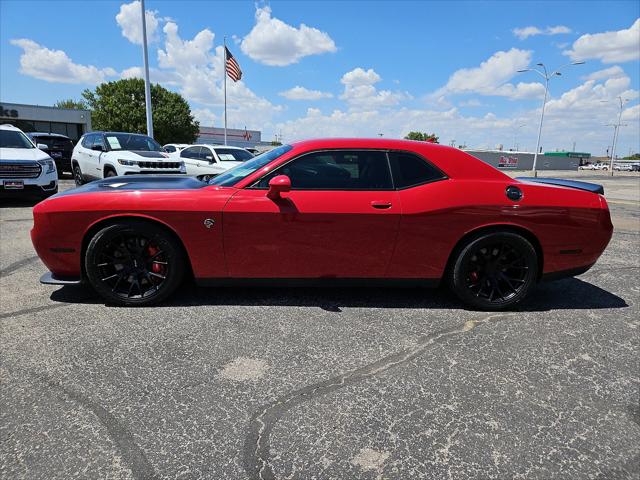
x,y
566,294
9,202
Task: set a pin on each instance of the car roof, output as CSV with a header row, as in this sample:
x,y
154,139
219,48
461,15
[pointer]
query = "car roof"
x,y
453,161
43,134
216,145
119,133
8,126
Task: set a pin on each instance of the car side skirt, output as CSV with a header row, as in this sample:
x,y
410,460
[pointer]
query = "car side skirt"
x,y
319,282
50,279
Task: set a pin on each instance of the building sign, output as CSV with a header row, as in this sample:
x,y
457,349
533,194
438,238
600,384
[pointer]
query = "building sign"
x,y
507,162
6,112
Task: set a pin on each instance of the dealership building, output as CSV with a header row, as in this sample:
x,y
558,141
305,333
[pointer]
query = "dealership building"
x,y
236,137
37,118
513,160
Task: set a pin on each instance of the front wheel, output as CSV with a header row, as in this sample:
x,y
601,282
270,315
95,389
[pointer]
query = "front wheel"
x,y
134,263
77,175
494,271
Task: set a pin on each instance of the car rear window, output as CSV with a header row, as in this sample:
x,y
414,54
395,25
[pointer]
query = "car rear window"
x,y
410,170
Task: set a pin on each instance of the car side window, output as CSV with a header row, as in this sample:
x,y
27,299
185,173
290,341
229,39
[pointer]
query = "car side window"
x,y
87,140
336,170
410,170
206,152
97,140
169,148
191,152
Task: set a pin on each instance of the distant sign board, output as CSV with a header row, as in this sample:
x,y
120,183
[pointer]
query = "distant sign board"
x,y
506,161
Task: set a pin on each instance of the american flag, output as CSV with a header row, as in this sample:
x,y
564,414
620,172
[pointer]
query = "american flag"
x,y
232,67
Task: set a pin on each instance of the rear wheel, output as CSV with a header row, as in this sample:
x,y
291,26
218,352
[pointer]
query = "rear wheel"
x,y
494,271
134,263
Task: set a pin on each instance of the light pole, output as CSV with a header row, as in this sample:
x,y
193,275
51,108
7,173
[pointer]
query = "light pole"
x,y
147,87
547,76
616,130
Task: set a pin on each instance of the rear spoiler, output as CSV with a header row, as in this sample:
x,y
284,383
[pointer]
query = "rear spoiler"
x,y
586,186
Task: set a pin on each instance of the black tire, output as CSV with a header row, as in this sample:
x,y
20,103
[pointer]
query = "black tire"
x,y
494,271
110,173
77,175
134,263
49,193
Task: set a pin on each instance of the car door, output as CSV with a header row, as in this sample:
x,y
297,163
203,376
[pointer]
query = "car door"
x,y
190,156
84,156
339,220
214,165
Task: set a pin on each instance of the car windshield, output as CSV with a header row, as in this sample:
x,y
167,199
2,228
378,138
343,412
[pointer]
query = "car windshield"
x,y
14,139
233,155
131,141
235,174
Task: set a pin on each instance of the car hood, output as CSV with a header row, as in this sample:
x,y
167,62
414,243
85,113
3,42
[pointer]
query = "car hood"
x,y
137,154
29,154
137,182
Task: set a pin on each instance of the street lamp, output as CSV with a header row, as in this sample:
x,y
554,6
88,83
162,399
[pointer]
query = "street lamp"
x,y
616,130
547,76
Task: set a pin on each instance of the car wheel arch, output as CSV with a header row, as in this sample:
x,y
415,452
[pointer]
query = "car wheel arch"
x,y
98,225
495,228
108,167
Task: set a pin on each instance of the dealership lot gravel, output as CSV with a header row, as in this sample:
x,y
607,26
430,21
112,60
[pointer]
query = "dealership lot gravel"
x,y
322,383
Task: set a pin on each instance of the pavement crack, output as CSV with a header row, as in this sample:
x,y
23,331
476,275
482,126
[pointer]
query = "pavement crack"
x,y
257,450
27,311
5,272
131,453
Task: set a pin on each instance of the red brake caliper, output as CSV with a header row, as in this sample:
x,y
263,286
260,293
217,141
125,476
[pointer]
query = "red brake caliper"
x,y
156,267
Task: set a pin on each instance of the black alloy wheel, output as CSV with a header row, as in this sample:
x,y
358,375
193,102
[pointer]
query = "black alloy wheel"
x,y
134,263
495,271
77,175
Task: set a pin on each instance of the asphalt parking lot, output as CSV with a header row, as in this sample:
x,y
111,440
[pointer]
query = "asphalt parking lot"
x,y
323,383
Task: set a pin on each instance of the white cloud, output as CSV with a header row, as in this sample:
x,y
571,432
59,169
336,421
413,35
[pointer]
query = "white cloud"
x,y
491,76
130,22
206,117
55,65
180,53
631,114
361,94
302,93
197,67
526,32
612,72
156,76
608,47
273,42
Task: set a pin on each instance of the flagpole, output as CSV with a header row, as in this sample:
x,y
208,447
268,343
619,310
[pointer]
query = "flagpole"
x,y
225,90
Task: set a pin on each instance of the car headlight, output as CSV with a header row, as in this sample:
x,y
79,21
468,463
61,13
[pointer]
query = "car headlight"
x,y
129,163
48,165
183,168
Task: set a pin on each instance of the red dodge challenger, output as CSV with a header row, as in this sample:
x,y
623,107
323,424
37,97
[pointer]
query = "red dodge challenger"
x,y
333,210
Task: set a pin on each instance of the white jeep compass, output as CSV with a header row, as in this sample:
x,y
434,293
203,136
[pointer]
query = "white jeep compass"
x,y
24,169
110,154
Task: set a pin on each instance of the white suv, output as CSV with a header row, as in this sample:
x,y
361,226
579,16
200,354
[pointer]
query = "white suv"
x,y
206,161
110,154
24,168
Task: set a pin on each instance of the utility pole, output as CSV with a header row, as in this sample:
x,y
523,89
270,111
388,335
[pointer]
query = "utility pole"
x,y
616,131
147,85
547,76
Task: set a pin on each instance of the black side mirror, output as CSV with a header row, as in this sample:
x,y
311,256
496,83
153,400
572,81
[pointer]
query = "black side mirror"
x,y
97,148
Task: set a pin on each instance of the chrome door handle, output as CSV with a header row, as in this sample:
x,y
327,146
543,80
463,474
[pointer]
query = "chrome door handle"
x,y
380,205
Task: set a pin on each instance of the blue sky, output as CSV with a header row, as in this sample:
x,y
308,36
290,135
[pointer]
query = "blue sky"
x,y
360,68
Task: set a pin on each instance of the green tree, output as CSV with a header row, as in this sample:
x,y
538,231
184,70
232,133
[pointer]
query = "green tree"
x,y
422,137
120,106
635,156
72,104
